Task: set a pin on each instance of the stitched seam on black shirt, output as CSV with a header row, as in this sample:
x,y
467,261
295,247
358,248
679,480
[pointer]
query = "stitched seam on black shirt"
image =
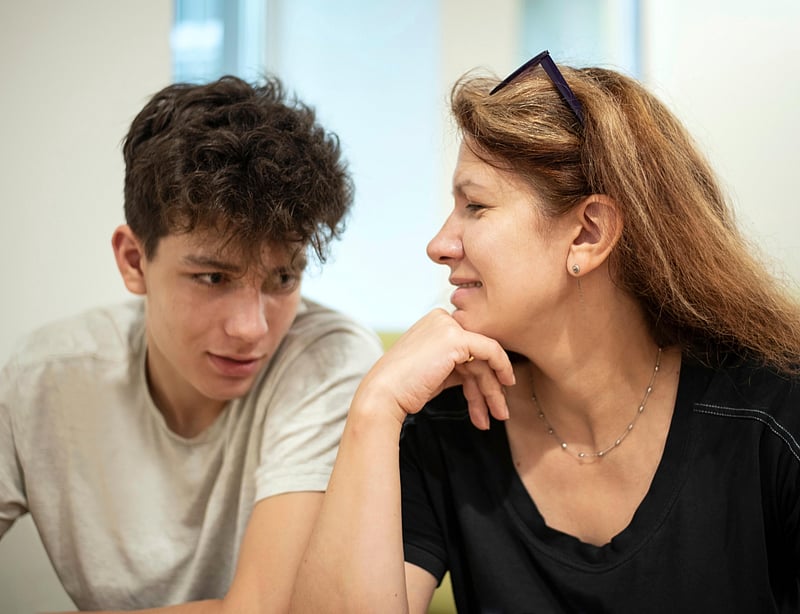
x,y
753,414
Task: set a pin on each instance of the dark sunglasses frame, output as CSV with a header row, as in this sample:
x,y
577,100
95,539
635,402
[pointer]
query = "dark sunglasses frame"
x,y
544,60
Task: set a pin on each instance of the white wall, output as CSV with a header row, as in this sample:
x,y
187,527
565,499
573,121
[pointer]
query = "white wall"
x,y
729,69
74,73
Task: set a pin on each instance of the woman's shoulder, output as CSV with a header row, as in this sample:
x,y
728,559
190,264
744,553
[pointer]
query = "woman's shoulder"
x,y
747,391
746,383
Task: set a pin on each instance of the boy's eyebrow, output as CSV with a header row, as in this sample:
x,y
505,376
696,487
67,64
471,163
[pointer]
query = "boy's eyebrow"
x,y
298,264
211,263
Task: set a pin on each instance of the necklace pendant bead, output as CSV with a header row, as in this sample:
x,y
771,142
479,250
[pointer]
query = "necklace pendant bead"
x,y
563,445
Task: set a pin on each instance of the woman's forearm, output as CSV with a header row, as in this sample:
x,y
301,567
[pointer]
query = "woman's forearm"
x,y
354,562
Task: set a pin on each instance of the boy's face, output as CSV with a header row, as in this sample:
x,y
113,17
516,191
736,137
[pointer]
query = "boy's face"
x,y
213,322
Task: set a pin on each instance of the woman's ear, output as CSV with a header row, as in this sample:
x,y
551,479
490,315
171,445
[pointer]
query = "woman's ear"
x,y
129,254
598,227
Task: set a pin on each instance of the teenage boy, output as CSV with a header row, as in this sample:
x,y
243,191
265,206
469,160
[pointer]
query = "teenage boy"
x,y
176,448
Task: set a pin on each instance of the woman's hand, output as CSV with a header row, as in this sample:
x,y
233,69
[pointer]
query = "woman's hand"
x,y
434,354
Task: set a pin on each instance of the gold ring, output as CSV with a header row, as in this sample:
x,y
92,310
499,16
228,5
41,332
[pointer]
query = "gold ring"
x,y
471,358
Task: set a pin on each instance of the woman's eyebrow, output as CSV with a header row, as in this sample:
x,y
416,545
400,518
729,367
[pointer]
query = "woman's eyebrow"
x,y
460,184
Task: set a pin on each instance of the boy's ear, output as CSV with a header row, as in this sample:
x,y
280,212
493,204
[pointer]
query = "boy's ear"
x,y
129,254
598,227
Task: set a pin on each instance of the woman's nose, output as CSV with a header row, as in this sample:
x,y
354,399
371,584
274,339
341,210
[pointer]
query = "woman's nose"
x,y
446,245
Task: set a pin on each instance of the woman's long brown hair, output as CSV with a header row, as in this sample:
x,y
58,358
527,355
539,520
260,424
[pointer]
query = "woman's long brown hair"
x,y
681,255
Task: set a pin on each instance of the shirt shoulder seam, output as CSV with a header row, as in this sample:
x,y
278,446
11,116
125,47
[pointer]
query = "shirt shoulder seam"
x,y
758,415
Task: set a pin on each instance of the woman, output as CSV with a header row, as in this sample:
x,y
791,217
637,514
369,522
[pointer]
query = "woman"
x,y
635,363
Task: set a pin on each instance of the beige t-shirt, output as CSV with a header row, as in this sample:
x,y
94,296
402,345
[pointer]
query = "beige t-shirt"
x,y
131,514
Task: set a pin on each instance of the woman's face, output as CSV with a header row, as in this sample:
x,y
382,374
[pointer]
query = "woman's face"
x,y
507,263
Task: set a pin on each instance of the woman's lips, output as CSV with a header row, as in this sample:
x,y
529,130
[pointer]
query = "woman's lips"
x,y
463,290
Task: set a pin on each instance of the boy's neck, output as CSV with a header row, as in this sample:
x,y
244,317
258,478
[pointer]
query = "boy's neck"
x,y
186,412
191,423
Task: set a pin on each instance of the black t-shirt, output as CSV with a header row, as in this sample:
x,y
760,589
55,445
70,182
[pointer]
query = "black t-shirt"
x,y
718,531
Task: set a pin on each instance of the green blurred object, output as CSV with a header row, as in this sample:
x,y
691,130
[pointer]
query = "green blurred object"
x,y
442,602
389,337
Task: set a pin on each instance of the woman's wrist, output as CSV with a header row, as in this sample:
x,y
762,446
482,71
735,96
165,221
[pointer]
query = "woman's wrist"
x,y
376,409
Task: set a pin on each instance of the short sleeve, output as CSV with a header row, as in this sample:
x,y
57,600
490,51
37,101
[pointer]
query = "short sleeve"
x,y
305,416
13,502
792,524
423,541
786,479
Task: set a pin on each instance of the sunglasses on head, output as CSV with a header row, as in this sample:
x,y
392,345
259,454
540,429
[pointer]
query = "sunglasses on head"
x,y
544,60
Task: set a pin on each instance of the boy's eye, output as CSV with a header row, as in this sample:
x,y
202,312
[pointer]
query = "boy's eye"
x,y
288,280
282,281
210,279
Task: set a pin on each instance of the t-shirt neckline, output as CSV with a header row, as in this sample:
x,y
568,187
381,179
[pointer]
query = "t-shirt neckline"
x,y
670,475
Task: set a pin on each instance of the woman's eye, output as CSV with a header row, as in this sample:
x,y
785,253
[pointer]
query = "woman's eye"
x,y
474,207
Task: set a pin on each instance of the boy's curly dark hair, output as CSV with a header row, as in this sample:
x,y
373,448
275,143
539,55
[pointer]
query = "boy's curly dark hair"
x,y
237,159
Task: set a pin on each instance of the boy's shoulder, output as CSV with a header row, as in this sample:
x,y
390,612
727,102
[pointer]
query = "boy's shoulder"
x,y
323,341
315,320
107,332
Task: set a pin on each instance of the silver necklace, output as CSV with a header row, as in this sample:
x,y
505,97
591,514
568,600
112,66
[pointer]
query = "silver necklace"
x,y
583,456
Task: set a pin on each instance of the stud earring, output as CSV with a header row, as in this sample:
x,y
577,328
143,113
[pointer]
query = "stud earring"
x,y
576,269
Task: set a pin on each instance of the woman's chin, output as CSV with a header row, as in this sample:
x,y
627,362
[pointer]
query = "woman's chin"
x,y
469,322
464,320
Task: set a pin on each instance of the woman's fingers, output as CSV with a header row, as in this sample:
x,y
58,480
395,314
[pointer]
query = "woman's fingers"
x,y
436,353
478,412
484,393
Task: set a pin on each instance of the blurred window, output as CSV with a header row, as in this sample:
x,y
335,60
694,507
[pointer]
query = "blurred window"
x,y
371,71
584,32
